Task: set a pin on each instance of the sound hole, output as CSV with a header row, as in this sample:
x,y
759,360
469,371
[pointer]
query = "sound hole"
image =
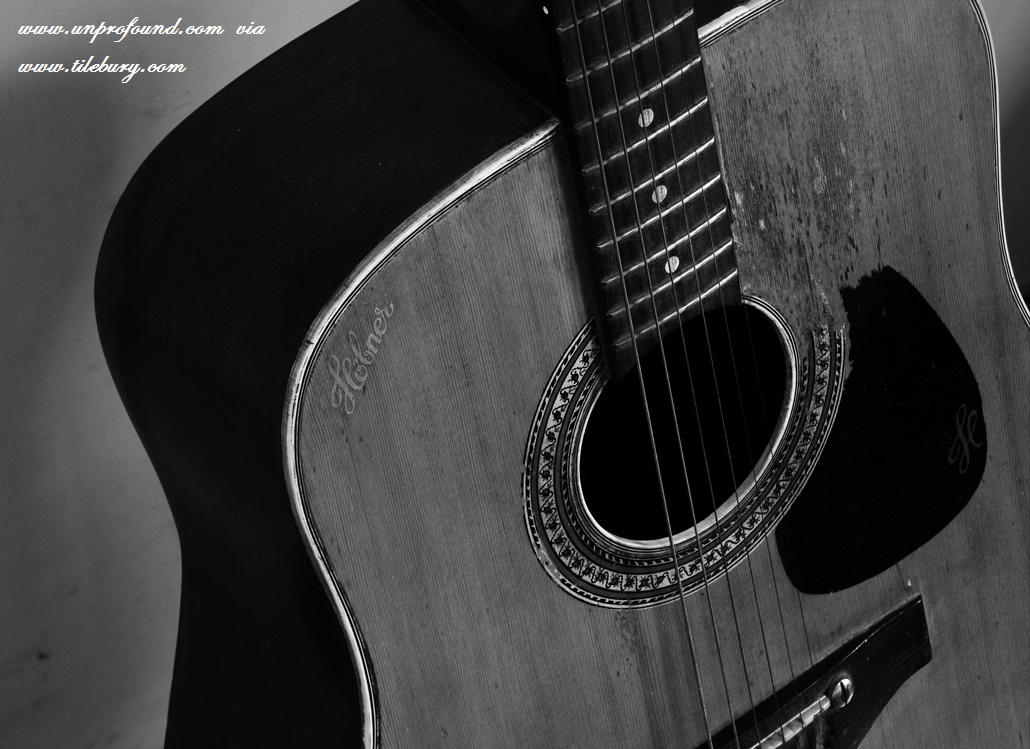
x,y
728,376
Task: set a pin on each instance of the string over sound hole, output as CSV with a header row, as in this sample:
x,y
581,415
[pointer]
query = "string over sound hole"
x,y
727,373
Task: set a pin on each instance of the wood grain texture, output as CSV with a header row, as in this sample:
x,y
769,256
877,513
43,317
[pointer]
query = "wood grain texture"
x,y
888,156
416,500
221,252
854,135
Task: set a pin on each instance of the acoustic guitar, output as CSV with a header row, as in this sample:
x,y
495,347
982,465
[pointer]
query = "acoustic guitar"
x,y
589,373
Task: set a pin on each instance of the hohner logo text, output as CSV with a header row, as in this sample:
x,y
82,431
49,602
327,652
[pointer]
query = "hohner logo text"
x,y
350,373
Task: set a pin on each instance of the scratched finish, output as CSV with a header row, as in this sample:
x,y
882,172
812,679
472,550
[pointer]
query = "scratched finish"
x,y
854,135
886,154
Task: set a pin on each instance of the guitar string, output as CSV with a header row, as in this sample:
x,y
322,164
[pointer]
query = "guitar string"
x,y
675,295
748,442
750,338
765,421
764,416
658,334
618,114
735,370
789,545
736,376
636,353
690,244
670,269
647,272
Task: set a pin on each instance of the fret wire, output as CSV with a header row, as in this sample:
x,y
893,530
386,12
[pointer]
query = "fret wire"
x,y
590,14
681,203
667,283
694,109
638,244
641,95
658,328
632,48
730,455
752,462
593,14
668,170
625,338
640,375
660,254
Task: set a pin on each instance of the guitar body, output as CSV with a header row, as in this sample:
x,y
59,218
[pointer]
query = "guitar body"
x,y
342,330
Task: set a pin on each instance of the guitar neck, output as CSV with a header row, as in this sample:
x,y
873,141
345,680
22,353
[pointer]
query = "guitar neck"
x,y
658,215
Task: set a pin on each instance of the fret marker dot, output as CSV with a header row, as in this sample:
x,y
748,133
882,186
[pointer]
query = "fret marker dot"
x,y
659,194
672,264
646,118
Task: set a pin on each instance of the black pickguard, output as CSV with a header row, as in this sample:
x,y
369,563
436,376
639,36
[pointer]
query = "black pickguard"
x,y
906,452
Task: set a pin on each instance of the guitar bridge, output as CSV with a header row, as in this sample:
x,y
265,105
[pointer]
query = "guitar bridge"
x,y
835,703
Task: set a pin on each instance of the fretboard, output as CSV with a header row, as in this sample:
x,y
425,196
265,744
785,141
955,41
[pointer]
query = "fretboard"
x,y
658,213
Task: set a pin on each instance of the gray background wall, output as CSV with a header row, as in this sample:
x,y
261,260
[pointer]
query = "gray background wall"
x,y
89,561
